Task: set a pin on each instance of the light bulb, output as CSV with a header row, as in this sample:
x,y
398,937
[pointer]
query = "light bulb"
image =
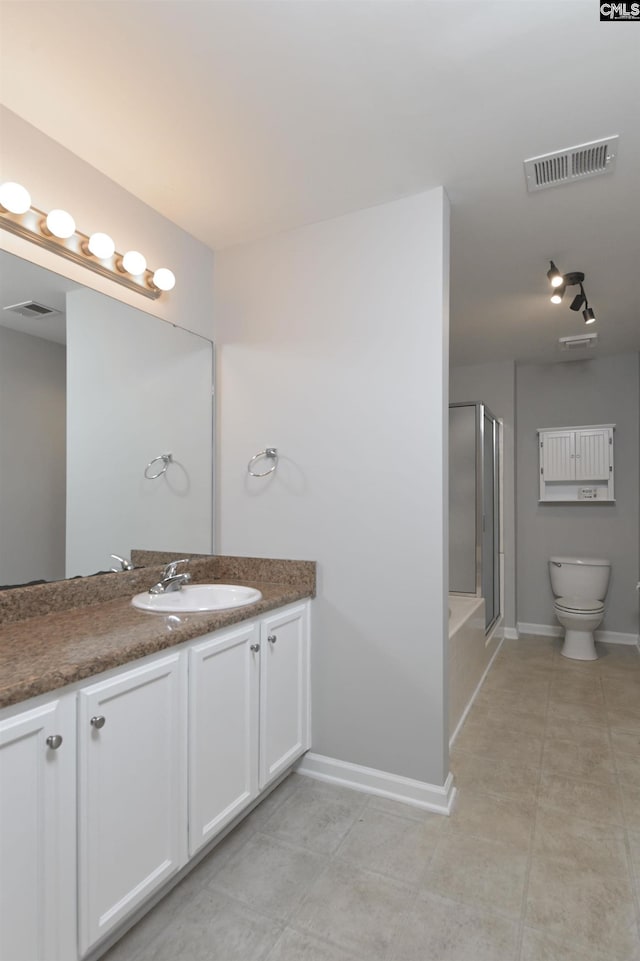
x,y
589,316
555,277
164,279
15,198
134,263
61,224
558,294
101,246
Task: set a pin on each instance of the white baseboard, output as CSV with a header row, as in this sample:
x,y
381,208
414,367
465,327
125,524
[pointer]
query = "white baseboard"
x,y
554,630
431,797
511,633
473,696
615,637
540,630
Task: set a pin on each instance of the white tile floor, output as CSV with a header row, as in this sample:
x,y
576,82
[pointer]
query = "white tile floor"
x,y
540,860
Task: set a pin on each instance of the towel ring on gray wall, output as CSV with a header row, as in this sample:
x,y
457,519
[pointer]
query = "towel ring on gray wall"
x,y
166,460
270,452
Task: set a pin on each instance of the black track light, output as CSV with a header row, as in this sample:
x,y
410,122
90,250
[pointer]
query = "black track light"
x,y
560,282
555,277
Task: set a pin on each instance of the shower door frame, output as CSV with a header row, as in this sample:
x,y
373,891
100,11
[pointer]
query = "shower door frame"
x,y
481,410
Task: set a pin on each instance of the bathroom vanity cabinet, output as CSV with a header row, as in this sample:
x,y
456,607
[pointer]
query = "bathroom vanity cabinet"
x,y
170,750
576,464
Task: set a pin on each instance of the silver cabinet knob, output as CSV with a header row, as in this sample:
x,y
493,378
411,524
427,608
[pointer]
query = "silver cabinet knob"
x,y
54,741
98,721
272,638
255,648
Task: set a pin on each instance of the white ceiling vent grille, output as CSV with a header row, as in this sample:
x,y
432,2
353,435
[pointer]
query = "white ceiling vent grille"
x,y
30,308
580,342
574,163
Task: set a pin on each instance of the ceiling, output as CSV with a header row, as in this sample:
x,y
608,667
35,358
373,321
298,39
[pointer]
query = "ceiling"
x,y
240,119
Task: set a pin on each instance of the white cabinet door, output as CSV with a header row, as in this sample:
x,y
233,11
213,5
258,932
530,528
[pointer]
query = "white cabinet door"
x,y
284,691
37,834
592,454
558,455
132,790
224,671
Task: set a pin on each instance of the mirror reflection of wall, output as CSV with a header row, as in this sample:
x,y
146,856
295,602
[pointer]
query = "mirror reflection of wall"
x,y
32,457
88,396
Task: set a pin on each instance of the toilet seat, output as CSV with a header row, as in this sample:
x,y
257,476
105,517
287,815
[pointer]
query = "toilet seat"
x,y
578,605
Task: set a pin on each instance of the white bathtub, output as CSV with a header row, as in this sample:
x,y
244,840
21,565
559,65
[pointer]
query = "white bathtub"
x,y
464,608
469,655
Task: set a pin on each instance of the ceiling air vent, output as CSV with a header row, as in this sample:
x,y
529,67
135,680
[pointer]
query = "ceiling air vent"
x,y
580,342
30,308
574,163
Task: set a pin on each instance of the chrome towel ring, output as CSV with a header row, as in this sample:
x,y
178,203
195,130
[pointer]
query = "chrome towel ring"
x,y
270,452
166,460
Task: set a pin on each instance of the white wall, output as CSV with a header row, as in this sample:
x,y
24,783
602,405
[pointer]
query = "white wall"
x,y
137,387
333,347
32,458
55,177
494,385
603,390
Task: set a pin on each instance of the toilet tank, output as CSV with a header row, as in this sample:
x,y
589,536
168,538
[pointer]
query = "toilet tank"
x,y
586,577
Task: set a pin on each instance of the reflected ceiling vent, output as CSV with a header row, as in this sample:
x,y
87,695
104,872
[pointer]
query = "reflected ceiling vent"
x,y
30,308
580,342
574,163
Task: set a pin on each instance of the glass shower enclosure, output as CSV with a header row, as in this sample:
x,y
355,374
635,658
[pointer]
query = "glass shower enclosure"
x,y
474,505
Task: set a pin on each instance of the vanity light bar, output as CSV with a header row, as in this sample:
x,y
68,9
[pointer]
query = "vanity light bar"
x,y
56,231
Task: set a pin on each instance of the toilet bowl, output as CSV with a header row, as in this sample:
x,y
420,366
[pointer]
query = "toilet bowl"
x,y
580,586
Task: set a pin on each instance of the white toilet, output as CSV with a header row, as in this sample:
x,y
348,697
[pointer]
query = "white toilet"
x,y
580,586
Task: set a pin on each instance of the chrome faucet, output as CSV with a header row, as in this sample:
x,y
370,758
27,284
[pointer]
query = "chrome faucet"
x,y
125,565
172,580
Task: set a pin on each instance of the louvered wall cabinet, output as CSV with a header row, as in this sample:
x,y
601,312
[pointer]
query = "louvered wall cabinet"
x,y
576,464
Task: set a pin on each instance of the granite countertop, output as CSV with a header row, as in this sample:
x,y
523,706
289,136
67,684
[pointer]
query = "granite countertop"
x,y
48,651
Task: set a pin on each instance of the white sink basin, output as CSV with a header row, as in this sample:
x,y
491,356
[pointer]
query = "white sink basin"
x,y
197,597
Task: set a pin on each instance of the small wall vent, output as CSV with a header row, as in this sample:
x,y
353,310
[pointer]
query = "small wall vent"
x,y
30,308
574,163
580,342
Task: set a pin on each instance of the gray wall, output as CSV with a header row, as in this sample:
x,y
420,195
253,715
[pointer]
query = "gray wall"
x,y
333,347
32,458
494,385
603,390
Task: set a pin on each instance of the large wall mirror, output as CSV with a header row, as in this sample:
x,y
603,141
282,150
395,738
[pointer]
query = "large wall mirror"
x,y
91,391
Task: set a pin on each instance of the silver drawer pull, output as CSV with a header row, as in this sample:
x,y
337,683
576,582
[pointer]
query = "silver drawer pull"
x,y
255,648
98,721
54,741
272,638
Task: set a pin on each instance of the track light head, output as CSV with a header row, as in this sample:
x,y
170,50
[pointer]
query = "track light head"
x,y
558,294
555,277
577,302
580,300
589,316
